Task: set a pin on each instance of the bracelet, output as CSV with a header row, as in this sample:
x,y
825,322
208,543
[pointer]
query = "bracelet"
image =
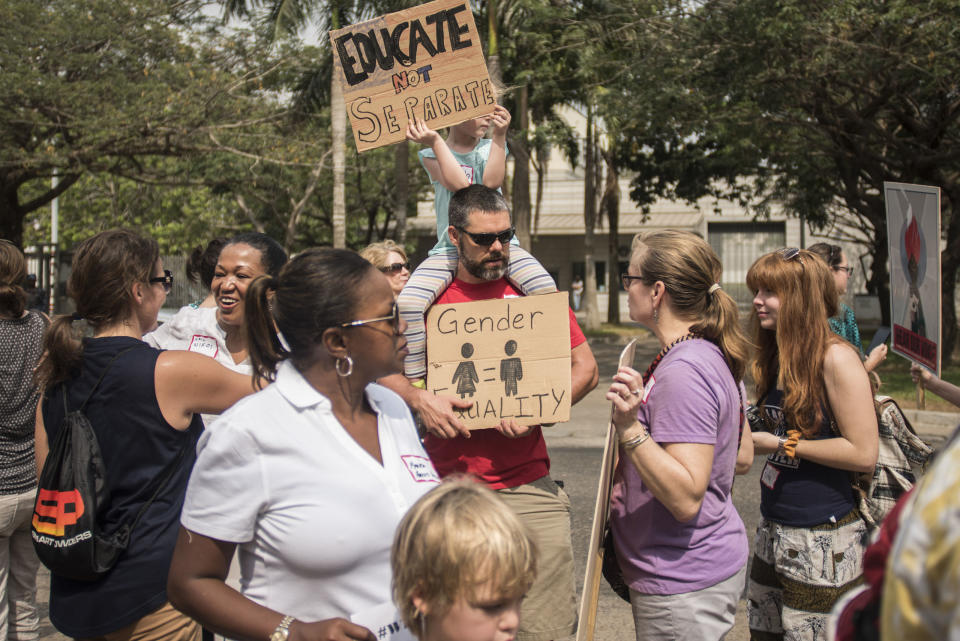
x,y
781,442
790,446
630,444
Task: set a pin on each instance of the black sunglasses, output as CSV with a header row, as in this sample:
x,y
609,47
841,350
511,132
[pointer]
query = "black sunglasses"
x,y
394,319
395,268
486,239
166,280
789,253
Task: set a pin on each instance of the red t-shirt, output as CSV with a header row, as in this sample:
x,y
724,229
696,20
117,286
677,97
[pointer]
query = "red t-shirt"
x,y
497,460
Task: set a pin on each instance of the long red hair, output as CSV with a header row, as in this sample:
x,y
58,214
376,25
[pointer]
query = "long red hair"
x,y
791,356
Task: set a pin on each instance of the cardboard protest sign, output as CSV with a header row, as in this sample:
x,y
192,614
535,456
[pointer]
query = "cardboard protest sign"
x,y
913,236
423,62
511,357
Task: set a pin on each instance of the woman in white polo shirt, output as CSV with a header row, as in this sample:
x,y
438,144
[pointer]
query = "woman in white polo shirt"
x,y
310,478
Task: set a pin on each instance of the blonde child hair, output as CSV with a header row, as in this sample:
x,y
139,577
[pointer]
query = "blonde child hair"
x,y
454,541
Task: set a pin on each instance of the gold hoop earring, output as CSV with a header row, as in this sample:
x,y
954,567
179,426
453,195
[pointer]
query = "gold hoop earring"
x,y
349,362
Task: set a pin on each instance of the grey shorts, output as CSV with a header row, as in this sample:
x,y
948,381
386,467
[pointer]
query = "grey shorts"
x,y
701,615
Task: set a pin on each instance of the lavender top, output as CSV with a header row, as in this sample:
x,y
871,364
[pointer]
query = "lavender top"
x,y
691,398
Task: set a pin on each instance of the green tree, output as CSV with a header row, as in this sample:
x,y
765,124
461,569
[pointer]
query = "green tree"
x,y
806,105
98,87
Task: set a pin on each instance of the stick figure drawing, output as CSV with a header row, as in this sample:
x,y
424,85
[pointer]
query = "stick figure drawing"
x,y
511,369
466,375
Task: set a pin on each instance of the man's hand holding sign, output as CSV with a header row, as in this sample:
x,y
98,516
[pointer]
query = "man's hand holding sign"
x,y
510,357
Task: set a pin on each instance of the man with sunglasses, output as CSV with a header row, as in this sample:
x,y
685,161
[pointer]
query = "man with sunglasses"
x,y
510,458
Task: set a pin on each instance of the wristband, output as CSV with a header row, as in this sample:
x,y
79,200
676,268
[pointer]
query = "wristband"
x,y
631,443
790,446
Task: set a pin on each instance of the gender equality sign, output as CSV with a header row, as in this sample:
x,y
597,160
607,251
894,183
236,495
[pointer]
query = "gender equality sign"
x,y
424,62
913,236
510,356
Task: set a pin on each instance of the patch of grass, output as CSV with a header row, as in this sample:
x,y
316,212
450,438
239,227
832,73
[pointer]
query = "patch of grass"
x,y
895,381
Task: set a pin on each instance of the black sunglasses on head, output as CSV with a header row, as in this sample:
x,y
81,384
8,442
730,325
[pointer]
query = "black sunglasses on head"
x,y
166,280
395,268
486,239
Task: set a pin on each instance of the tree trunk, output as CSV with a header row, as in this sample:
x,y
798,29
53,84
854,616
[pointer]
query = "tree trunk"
x,y
338,126
611,207
521,172
11,216
493,50
542,169
12,211
879,282
592,314
401,168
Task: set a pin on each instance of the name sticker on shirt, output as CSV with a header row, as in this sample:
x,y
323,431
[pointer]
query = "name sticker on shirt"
x,y
420,469
770,475
384,621
206,345
647,389
468,172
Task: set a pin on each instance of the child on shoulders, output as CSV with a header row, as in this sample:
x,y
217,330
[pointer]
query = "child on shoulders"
x,y
465,158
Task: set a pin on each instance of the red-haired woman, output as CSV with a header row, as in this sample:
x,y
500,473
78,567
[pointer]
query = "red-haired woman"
x,y
818,405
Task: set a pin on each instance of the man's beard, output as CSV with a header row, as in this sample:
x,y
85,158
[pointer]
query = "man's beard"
x,y
482,270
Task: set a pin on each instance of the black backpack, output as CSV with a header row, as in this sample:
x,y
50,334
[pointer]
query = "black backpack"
x,y
72,492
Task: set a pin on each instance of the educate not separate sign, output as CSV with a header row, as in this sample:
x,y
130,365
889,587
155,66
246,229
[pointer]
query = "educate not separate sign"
x,y
510,356
424,62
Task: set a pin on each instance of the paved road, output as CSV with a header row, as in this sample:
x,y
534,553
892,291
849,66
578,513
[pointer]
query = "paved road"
x,y
575,449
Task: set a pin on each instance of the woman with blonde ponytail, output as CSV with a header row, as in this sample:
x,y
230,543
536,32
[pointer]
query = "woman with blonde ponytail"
x,y
309,477
680,542
143,405
816,400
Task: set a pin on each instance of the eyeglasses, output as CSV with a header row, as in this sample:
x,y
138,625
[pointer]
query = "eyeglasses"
x,y
166,280
394,318
841,268
486,239
627,278
395,268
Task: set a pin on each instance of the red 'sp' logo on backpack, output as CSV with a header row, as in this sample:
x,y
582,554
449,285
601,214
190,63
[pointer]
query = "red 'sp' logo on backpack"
x,y
54,510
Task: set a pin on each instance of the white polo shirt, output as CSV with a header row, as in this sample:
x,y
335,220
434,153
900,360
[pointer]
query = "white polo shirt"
x,y
313,513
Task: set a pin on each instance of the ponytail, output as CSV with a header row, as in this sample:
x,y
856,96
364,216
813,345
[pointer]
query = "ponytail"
x,y
263,343
721,324
62,352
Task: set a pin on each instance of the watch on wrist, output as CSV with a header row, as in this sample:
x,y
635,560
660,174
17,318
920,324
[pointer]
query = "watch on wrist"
x,y
282,631
781,442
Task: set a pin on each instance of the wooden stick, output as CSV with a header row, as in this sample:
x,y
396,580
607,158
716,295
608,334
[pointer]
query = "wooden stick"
x,y
589,600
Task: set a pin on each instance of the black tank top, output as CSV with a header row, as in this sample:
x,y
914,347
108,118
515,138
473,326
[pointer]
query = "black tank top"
x,y
797,492
137,444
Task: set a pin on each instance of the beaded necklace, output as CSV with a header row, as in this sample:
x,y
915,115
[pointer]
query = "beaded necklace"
x,y
663,352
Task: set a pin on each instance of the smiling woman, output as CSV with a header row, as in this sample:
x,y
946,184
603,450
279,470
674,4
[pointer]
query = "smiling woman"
x,y
219,332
